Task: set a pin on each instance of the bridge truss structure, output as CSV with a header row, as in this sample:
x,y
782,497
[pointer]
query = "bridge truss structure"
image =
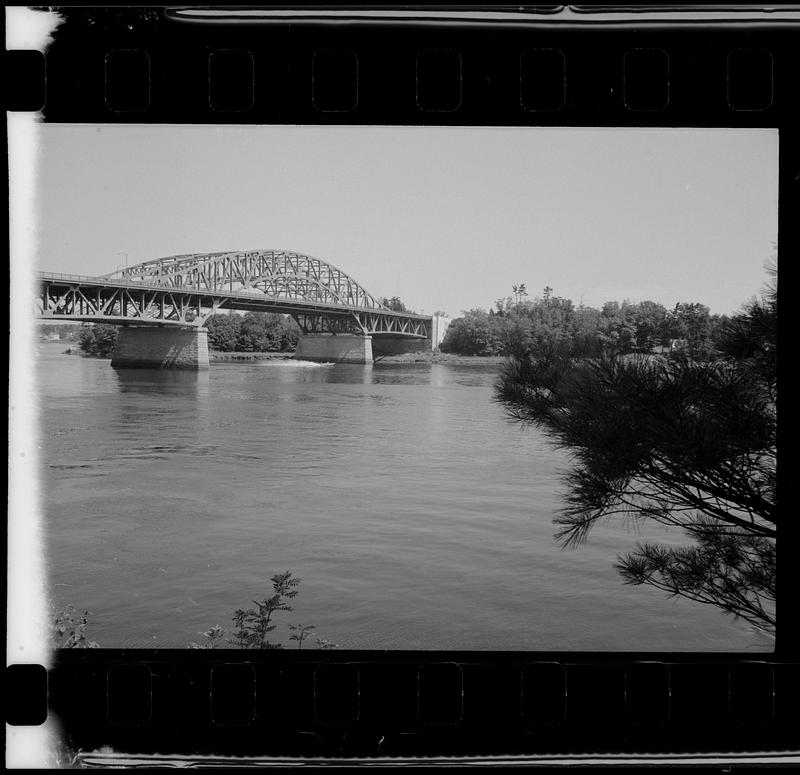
x,y
186,290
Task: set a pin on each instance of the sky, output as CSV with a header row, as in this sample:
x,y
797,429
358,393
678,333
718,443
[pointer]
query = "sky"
x,y
445,218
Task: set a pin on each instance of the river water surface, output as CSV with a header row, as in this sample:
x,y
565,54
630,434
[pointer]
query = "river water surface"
x,y
415,514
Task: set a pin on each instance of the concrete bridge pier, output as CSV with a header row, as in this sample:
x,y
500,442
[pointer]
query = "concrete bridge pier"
x,y
334,348
164,347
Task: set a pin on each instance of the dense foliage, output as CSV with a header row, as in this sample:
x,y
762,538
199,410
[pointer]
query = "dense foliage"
x,y
98,339
252,332
515,327
687,441
394,304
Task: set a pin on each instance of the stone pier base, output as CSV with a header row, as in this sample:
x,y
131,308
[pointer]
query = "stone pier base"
x,y
334,348
149,347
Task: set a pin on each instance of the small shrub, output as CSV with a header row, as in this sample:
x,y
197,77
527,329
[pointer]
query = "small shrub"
x,y
69,629
253,625
300,633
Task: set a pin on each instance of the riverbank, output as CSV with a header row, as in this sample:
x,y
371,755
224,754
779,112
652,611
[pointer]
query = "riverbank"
x,y
418,357
215,356
439,357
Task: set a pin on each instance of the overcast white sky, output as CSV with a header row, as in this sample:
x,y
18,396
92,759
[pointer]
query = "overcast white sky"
x,y
444,218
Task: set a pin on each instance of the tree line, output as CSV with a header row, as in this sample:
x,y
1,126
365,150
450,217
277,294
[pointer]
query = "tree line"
x,y
253,332
686,440
516,325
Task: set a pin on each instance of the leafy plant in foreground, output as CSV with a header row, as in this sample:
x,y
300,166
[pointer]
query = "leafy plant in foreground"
x,y
253,625
300,633
213,635
69,629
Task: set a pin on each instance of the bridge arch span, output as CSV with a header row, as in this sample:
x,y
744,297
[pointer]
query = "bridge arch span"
x,y
280,274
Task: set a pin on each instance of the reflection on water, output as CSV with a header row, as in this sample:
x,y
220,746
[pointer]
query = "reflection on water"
x,y
190,384
415,514
348,373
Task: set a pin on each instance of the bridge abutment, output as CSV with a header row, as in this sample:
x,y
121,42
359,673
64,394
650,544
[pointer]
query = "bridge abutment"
x,y
150,347
334,348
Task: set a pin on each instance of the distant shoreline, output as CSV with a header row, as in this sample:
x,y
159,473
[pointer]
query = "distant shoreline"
x,y
215,356
451,358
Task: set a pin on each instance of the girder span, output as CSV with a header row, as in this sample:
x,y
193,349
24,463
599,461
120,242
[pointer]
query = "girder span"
x,y
278,274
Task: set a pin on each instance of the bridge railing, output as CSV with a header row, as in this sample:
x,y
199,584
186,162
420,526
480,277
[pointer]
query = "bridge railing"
x,y
64,276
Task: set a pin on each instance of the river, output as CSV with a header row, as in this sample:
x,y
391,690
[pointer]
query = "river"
x,y
415,514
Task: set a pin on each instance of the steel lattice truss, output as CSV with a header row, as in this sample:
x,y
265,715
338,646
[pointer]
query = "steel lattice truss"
x,y
186,290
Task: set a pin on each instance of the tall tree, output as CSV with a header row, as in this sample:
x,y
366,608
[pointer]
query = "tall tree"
x,y
472,334
650,319
751,336
691,321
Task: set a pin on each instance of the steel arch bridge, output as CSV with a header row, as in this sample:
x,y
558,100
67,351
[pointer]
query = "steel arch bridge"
x,y
186,290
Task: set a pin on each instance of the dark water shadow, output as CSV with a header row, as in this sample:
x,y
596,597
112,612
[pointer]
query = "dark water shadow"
x,y
158,381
